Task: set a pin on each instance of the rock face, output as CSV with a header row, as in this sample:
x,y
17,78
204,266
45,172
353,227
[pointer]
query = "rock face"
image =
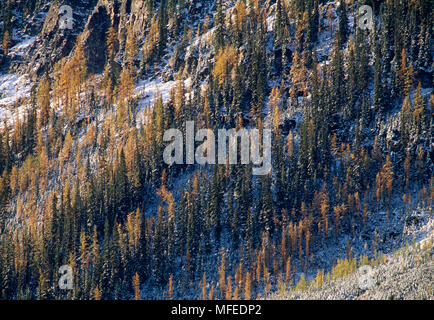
x,y
55,42
95,34
92,19
139,17
106,14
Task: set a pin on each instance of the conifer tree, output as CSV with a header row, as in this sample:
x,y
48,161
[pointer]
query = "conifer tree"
x,y
136,285
44,101
162,27
342,22
219,33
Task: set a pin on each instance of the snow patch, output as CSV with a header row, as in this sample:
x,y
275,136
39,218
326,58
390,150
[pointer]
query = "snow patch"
x,y
21,48
148,90
13,88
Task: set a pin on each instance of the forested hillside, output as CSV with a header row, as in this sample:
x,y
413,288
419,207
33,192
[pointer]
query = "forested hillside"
x,y
86,99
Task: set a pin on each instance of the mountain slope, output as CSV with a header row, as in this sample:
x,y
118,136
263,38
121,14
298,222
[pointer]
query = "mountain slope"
x,y
84,112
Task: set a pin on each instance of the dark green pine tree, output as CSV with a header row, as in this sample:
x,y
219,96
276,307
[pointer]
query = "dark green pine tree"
x,y
5,194
116,263
4,146
216,196
106,273
424,58
259,72
314,24
193,227
386,58
267,205
279,168
219,31
279,38
246,198
159,248
378,86
181,232
143,250
337,83
122,188
362,58
352,93
303,154
307,40
279,25
238,95
30,133
343,23
66,211
233,218
162,28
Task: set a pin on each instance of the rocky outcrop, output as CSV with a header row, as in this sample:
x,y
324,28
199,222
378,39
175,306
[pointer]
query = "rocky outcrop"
x,y
140,17
55,42
118,14
92,19
95,34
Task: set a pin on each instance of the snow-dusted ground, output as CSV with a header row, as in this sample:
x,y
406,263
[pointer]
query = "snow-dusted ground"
x,y
21,49
406,273
148,90
12,88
